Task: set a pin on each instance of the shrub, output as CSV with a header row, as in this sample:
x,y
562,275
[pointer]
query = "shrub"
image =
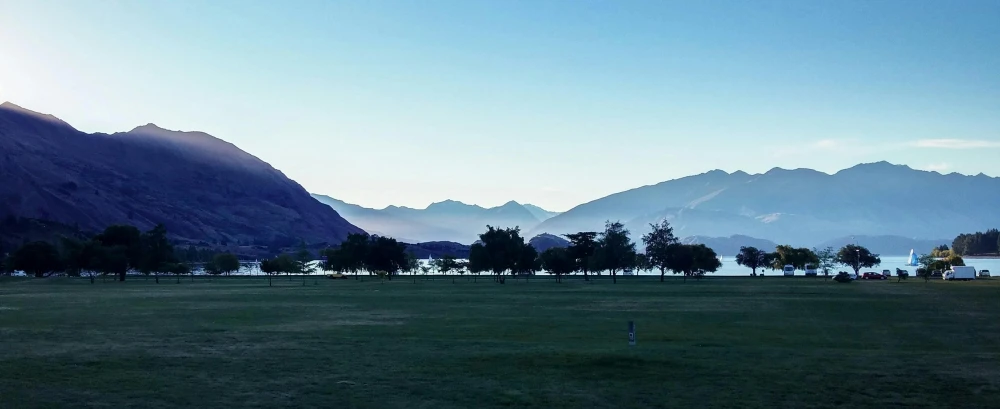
x,y
842,277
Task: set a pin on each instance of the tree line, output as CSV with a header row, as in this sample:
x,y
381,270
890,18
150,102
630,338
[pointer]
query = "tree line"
x,y
853,256
978,243
117,251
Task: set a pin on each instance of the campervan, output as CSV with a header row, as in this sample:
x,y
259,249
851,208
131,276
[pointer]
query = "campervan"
x,y
960,273
811,270
789,270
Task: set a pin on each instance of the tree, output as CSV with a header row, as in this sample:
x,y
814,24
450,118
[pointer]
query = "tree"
x,y
615,250
826,258
224,263
659,244
857,257
412,265
178,269
38,258
499,252
385,254
354,253
581,248
527,261
752,258
692,260
111,260
925,273
955,260
128,243
795,257
558,261
269,267
156,253
445,265
303,262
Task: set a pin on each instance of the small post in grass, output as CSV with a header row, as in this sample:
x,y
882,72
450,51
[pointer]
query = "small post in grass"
x,y
631,333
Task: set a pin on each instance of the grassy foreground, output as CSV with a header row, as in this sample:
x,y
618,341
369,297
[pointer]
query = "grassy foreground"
x,y
720,342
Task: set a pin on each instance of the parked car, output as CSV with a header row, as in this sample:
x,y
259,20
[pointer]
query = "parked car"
x,y
887,273
984,273
871,275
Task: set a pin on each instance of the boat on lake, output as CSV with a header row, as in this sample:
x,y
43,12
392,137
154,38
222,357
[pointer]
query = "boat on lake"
x,y
912,260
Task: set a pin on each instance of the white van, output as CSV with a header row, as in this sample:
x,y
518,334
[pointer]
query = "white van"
x,y
811,270
960,273
789,270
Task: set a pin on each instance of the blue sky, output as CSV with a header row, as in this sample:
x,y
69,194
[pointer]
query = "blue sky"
x,y
548,102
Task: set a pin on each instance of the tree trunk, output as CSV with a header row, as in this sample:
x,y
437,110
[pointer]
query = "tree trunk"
x,y
662,273
91,278
178,279
269,280
192,276
585,276
157,278
121,276
614,277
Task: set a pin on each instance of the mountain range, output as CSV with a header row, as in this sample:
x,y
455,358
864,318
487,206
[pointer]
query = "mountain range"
x,y
200,187
442,221
801,207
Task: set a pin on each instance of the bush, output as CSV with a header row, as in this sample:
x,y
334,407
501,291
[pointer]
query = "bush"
x,y
842,277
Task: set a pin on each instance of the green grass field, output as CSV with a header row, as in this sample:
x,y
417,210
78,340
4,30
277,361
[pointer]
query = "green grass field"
x,y
720,342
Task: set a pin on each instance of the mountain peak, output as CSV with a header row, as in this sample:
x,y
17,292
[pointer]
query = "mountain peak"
x,y
10,106
148,127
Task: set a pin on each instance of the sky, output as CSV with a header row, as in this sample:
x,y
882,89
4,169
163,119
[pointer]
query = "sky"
x,y
553,103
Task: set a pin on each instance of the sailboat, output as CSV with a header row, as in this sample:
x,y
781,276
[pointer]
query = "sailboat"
x,y
912,261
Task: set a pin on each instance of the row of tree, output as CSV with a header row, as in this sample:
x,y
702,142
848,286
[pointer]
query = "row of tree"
x,y
978,243
117,251
503,251
853,256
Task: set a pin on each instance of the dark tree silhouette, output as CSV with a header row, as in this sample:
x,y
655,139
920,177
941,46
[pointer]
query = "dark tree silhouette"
x,y
615,250
581,248
857,257
659,243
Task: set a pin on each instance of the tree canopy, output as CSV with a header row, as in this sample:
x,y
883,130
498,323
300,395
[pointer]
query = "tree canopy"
x,y
752,258
615,250
581,249
857,257
558,261
499,251
660,242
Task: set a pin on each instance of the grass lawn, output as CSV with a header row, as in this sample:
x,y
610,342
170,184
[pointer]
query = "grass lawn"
x,y
721,342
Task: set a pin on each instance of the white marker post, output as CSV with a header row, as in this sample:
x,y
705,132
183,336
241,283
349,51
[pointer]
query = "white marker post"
x,y
631,333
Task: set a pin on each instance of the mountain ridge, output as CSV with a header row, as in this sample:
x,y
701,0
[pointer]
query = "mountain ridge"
x,y
200,187
800,207
447,220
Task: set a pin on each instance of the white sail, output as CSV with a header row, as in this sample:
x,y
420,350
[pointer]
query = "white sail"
x,y
912,261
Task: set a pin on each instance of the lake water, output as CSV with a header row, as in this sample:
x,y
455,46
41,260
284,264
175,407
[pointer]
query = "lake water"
x,y
730,268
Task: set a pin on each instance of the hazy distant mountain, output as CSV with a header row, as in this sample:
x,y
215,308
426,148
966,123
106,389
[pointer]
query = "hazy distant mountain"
x,y
448,220
730,246
539,213
198,186
546,241
438,249
802,206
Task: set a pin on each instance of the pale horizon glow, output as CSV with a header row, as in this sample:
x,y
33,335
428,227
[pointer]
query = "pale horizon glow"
x,y
551,103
